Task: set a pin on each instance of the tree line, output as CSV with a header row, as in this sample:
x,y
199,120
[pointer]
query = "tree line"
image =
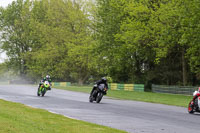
x,y
129,41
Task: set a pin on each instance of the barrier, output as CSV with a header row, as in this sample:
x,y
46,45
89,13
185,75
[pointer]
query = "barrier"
x,y
185,90
139,87
112,86
63,84
126,87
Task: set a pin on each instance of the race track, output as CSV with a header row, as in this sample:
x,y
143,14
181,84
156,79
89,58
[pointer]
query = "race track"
x,y
131,116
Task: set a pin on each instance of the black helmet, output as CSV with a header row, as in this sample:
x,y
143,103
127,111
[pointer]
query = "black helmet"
x,y
104,79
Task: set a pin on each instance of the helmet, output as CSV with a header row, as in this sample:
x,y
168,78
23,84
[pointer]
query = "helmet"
x,y
47,77
104,79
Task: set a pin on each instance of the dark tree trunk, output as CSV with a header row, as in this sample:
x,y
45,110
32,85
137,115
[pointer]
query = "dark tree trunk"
x,y
184,68
82,77
80,81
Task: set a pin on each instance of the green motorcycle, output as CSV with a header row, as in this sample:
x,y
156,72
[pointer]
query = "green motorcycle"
x,y
43,88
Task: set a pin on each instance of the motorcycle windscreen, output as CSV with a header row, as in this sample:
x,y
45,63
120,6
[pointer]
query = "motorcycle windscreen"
x,y
101,86
46,82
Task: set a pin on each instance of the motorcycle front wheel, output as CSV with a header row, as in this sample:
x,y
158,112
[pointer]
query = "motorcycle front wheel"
x,y
99,97
43,92
190,108
92,98
38,92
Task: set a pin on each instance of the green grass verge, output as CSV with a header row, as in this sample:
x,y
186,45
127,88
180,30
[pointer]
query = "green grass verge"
x,y
17,118
169,99
4,83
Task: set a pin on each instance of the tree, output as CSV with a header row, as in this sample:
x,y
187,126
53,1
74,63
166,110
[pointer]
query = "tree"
x,y
190,36
64,41
124,32
15,33
169,30
109,16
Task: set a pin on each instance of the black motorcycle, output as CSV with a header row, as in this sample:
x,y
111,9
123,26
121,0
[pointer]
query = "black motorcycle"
x,y
98,93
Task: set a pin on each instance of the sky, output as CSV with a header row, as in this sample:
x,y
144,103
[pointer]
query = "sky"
x,y
4,3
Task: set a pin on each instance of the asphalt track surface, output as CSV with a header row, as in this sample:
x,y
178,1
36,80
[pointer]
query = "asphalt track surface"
x,y
130,116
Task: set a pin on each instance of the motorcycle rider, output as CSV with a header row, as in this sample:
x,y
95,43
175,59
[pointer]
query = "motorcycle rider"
x,y
46,78
195,95
102,81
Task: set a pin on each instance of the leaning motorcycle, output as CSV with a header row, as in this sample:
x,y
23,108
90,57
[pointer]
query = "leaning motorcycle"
x,y
98,93
43,88
194,106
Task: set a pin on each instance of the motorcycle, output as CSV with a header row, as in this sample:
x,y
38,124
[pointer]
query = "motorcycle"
x,y
43,88
98,93
194,106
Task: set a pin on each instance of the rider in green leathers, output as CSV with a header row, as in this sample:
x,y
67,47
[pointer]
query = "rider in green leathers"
x,y
47,78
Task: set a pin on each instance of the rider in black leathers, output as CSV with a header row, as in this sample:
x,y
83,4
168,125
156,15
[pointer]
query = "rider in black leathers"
x,y
102,81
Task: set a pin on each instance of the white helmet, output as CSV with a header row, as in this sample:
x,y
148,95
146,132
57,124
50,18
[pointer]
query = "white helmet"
x,y
47,77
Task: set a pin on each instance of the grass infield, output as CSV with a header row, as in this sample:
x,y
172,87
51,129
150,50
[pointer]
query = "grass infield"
x,y
168,99
18,118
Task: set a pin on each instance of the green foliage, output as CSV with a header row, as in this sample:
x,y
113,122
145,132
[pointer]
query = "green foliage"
x,y
126,36
50,37
15,33
132,41
150,41
190,35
